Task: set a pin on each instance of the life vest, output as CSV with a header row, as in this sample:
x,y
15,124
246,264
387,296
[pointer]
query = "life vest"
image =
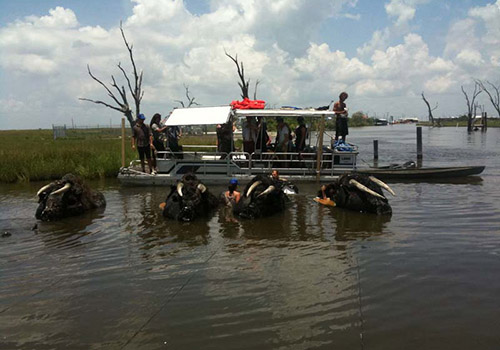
x,y
248,104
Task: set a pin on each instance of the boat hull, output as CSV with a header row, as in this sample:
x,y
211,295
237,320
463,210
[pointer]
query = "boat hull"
x,y
422,173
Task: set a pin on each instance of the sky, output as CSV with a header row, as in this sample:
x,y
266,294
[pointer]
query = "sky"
x,y
384,53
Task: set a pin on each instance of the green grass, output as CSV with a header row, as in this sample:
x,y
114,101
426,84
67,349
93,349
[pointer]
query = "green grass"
x,y
28,155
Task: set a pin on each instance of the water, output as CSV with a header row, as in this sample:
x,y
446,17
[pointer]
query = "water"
x,y
312,277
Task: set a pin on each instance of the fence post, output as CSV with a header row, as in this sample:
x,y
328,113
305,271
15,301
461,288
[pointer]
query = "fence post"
x,y
419,143
123,142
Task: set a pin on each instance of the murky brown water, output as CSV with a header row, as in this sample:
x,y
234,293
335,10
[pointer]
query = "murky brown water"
x,y
313,277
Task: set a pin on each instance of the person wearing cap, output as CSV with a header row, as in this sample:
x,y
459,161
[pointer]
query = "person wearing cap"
x,y
340,109
142,139
231,196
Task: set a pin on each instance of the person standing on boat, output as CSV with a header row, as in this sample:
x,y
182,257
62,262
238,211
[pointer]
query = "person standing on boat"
x,y
249,133
174,133
225,144
282,135
283,140
262,135
340,109
158,137
143,140
300,135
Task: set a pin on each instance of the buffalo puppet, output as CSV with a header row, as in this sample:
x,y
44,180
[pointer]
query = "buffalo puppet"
x,y
261,197
188,200
358,192
67,197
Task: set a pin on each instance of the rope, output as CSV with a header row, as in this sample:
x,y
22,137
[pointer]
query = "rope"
x,y
166,303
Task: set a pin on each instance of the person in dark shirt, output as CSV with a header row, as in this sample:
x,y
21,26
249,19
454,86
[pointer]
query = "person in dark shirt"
x,y
142,139
300,135
340,109
225,144
262,135
173,135
158,137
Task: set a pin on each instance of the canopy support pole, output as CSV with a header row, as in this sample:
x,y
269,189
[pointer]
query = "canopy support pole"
x,y
320,147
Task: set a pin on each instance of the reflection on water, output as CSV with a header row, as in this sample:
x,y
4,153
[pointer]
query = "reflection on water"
x,y
311,277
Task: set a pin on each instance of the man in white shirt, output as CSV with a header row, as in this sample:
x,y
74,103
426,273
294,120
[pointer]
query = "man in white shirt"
x,y
249,133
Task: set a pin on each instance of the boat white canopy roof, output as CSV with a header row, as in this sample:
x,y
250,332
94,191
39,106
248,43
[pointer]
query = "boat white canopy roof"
x,y
281,113
221,114
199,116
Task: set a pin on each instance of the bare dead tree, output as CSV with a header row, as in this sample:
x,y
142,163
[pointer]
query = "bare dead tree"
x,y
493,92
136,90
470,103
431,117
190,100
244,84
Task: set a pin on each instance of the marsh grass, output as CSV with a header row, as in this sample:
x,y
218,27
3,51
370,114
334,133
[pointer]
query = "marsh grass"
x,y
29,155
492,123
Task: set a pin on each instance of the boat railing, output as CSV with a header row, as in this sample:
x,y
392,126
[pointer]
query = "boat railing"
x,y
292,162
206,162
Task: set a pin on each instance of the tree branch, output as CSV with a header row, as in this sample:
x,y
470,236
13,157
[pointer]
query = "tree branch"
x,y
181,103
126,77
493,95
431,117
101,103
255,90
241,73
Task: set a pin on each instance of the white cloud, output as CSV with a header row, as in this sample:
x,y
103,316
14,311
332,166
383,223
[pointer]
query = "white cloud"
x,y
400,9
44,58
57,18
379,41
470,57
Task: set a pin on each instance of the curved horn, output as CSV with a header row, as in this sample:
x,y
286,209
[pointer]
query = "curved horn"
x,y
250,190
382,184
269,189
202,188
365,189
63,189
43,189
179,188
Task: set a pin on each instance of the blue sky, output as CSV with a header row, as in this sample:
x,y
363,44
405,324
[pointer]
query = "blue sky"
x,y
304,52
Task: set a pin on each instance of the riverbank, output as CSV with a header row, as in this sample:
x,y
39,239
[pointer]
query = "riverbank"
x,y
492,123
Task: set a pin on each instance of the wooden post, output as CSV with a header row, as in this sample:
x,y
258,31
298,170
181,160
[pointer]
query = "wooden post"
x,y
419,143
375,149
485,122
320,147
123,142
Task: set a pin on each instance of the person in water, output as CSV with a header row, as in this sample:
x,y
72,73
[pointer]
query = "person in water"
x,y
231,196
